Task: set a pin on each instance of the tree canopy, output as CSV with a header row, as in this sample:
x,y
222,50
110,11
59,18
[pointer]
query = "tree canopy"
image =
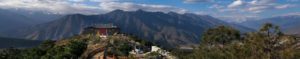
x,y
227,43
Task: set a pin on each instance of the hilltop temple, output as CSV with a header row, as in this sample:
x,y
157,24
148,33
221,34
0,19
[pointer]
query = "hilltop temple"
x,y
102,30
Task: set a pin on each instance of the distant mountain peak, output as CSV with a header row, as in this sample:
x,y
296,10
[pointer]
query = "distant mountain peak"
x,y
116,11
140,10
172,13
75,15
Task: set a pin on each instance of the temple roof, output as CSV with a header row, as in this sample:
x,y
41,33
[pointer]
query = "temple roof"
x,y
104,26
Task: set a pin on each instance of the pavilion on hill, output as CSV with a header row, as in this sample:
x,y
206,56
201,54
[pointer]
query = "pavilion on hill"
x,y
103,30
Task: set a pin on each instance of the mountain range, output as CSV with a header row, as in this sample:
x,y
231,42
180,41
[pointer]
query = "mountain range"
x,y
168,29
289,23
13,19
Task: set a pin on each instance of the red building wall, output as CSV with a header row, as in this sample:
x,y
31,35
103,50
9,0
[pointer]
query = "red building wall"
x,y
103,31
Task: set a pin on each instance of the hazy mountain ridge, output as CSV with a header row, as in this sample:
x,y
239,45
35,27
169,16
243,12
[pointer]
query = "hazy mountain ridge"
x,y
39,16
161,28
289,23
16,19
11,20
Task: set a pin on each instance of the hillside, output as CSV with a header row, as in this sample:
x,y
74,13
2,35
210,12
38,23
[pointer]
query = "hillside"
x,y
88,47
169,29
221,43
225,43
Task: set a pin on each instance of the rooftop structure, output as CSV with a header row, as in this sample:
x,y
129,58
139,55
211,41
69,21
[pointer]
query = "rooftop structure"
x,y
103,30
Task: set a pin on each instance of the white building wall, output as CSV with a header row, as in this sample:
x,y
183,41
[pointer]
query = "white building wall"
x,y
154,48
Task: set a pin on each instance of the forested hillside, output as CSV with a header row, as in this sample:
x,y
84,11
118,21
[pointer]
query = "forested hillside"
x,y
227,43
82,47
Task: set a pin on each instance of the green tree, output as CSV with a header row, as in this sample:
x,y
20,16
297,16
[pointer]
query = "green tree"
x,y
75,48
220,35
268,43
10,53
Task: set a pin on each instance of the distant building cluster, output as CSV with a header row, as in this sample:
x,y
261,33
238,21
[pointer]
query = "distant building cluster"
x,y
139,51
102,30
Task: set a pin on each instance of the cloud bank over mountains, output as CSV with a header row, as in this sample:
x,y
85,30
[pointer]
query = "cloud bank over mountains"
x,y
243,10
83,6
231,10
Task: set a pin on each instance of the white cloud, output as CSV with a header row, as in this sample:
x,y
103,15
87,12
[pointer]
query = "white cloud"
x,y
261,8
262,2
257,9
285,6
75,6
217,6
241,10
127,6
104,0
77,0
236,4
52,6
255,6
196,1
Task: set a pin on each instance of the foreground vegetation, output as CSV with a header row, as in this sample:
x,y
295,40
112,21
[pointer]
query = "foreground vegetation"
x,y
47,50
76,47
217,43
227,43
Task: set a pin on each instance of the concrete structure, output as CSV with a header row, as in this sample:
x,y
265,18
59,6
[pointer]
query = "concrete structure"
x,y
154,48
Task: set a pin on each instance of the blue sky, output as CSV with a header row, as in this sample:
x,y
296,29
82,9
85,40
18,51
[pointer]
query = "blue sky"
x,y
228,10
